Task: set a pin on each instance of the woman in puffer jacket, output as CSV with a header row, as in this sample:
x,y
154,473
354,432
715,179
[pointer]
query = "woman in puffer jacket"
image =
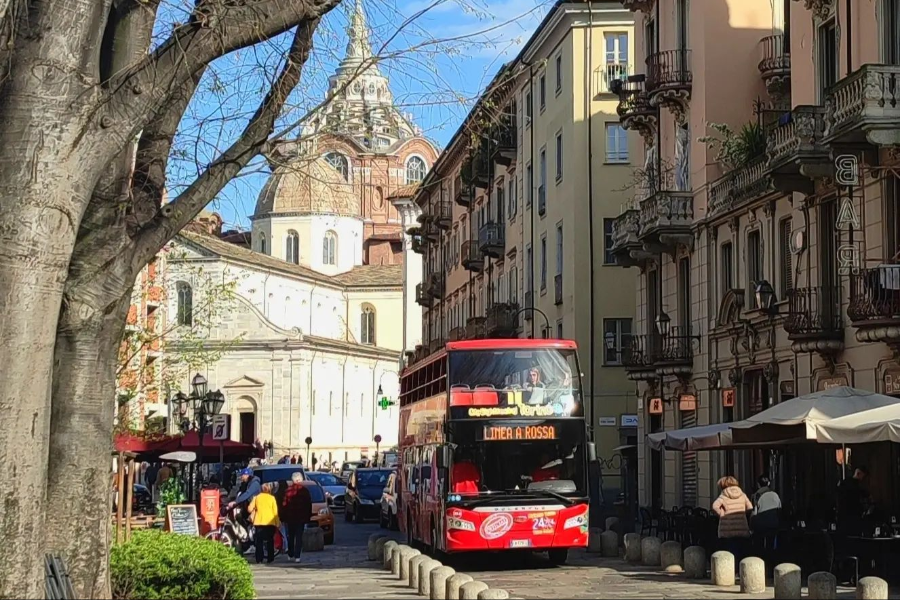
x,y
732,506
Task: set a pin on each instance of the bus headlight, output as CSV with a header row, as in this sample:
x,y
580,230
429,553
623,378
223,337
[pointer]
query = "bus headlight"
x,y
461,524
576,521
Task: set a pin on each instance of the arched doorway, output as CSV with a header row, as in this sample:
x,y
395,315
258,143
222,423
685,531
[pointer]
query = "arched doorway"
x,y
245,413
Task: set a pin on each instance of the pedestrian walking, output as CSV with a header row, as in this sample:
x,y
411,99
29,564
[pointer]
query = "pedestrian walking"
x,y
297,513
732,506
264,510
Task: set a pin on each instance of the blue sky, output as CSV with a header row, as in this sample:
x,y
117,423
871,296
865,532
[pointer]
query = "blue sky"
x,y
446,53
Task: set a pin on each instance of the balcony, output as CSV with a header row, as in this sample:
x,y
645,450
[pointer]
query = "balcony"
x,y
423,296
665,221
609,78
462,185
417,240
504,134
643,6
625,242
476,328
436,345
813,322
472,257
740,186
874,305
865,107
435,286
428,230
442,215
557,289
639,357
677,356
481,166
775,65
634,110
492,239
796,153
457,334
501,320
669,80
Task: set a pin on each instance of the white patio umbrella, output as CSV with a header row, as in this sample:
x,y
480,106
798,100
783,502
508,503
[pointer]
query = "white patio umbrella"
x,y
704,437
880,424
800,417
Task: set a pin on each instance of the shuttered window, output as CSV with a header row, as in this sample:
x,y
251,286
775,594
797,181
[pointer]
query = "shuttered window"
x,y
784,243
727,267
688,465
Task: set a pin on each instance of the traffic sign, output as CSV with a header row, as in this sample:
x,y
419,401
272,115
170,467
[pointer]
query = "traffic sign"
x,y
220,427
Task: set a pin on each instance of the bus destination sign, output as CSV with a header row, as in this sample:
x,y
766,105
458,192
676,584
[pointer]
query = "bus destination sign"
x,y
502,433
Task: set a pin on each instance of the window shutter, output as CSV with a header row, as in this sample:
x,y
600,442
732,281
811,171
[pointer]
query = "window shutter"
x,y
688,465
787,279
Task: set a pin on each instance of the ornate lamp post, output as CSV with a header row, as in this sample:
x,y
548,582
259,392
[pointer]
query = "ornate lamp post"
x,y
205,404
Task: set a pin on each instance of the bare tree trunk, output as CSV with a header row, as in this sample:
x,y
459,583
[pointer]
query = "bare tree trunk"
x,y
77,519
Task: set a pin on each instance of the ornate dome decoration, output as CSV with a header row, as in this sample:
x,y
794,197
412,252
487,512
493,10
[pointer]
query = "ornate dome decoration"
x,y
307,187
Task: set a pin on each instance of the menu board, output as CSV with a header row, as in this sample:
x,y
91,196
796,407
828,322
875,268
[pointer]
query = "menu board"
x,y
182,519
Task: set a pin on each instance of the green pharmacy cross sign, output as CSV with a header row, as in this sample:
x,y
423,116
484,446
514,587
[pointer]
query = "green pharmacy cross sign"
x,y
383,401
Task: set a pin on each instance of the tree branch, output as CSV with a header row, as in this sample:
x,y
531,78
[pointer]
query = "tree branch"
x,y
252,141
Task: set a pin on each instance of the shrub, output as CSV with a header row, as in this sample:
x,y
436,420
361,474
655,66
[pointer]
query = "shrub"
x,y
735,149
156,565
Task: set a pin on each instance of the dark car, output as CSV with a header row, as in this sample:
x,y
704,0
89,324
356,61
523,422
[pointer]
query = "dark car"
x,y
389,499
278,473
364,491
141,500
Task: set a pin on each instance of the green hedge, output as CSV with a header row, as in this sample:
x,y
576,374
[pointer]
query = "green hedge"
x,y
156,565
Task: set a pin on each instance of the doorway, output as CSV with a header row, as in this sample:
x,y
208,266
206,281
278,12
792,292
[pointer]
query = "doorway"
x,y
248,427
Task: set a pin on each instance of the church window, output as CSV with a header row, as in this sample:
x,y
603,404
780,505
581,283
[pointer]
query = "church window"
x,y
340,163
185,303
262,243
415,170
292,247
367,325
329,248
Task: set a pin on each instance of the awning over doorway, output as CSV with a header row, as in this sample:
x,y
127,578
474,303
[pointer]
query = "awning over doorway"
x,y
705,437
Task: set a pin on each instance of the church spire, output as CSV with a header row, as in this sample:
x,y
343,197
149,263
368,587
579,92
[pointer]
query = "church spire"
x,y
359,49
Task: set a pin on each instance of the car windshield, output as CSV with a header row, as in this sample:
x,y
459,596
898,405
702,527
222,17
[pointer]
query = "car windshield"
x,y
316,493
325,479
277,474
543,377
372,478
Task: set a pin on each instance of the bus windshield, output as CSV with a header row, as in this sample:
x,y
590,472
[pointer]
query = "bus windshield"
x,y
484,461
544,376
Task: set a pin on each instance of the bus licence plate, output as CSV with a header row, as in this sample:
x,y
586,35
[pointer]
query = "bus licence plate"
x,y
519,543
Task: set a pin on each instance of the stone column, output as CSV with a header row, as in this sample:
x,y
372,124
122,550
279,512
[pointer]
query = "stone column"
x,y
753,575
695,562
470,590
454,582
650,547
722,568
438,582
872,588
670,555
609,544
633,547
822,586
787,581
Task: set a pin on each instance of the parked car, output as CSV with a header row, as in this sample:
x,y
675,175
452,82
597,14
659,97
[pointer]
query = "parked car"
x,y
348,467
277,473
334,487
389,498
364,491
322,515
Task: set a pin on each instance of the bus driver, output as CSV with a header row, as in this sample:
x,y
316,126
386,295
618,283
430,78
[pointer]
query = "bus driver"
x,y
535,387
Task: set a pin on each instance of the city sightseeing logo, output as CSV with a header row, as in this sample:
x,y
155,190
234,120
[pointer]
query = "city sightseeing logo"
x,y
496,526
517,410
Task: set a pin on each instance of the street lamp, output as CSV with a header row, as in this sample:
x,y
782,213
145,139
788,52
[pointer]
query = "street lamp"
x,y
204,404
663,321
198,383
765,295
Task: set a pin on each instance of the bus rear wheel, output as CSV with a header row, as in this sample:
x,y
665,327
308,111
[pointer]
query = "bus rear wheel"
x,y
559,556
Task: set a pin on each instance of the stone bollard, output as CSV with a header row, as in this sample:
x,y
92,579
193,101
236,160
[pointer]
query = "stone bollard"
x,y
753,575
609,544
406,555
371,546
872,588
595,542
412,575
313,540
650,547
395,558
822,586
633,547
470,590
670,555
425,569
454,582
389,548
612,523
695,562
787,581
379,549
721,568
438,582
490,594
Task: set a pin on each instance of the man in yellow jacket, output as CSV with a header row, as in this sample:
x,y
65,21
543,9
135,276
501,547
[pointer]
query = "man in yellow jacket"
x,y
264,510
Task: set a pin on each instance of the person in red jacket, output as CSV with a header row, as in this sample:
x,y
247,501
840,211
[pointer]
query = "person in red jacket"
x,y
466,477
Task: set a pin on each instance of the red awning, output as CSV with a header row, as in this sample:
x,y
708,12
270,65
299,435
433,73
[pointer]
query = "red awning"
x,y
189,442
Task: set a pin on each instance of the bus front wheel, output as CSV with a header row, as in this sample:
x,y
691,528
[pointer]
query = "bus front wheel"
x,y
559,556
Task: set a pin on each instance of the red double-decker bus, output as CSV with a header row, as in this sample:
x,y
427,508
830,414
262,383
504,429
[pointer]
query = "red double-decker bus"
x,y
494,449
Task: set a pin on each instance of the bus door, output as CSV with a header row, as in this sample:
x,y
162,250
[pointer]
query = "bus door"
x,y
424,491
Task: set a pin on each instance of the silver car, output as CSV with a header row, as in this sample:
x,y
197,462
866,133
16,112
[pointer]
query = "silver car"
x,y
334,487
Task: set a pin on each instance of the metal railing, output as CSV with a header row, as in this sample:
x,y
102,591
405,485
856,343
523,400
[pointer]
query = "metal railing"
x,y
642,351
606,75
677,346
501,320
475,328
875,294
814,311
668,69
472,256
492,239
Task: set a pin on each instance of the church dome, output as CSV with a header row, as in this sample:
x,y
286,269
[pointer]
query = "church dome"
x,y
307,187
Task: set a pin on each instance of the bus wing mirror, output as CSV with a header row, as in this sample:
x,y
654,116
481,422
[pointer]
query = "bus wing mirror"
x,y
443,458
592,452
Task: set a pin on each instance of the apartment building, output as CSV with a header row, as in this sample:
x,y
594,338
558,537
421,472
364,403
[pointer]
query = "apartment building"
x,y
518,212
771,271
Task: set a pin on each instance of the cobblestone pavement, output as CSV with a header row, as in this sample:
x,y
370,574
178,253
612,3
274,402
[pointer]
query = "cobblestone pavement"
x,y
342,571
